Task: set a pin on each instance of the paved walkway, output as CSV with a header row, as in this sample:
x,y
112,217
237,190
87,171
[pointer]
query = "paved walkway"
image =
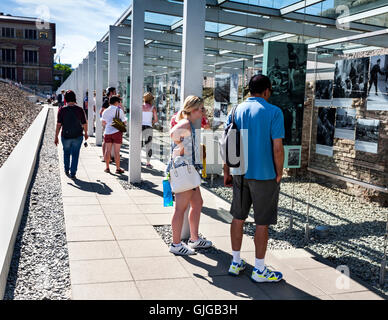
x,y
115,252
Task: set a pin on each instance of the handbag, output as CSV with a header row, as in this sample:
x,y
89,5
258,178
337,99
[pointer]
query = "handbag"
x,y
117,123
184,178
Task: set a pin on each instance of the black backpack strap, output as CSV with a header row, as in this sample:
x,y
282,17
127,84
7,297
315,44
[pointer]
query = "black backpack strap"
x,y
234,113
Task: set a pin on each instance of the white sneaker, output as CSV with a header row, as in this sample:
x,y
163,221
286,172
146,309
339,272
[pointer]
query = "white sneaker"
x,y
182,250
200,244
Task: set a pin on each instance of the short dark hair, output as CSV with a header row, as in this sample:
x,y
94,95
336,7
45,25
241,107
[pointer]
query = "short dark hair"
x,y
259,83
114,99
110,90
70,96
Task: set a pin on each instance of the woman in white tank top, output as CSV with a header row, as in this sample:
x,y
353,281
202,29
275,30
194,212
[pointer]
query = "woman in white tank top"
x,y
149,118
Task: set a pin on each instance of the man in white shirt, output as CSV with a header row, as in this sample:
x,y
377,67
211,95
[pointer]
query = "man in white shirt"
x,y
113,135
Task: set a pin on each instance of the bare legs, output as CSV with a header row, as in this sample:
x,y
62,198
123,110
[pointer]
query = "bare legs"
x,y
261,237
108,151
183,199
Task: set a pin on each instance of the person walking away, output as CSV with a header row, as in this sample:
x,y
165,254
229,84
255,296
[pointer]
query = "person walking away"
x,y
86,104
72,121
374,76
260,185
149,119
184,146
113,135
109,92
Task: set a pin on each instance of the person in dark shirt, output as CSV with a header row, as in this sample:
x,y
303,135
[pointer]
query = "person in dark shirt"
x,y
72,121
374,76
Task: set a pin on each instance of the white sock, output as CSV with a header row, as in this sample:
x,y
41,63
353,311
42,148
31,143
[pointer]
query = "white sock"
x,y
177,244
259,264
236,257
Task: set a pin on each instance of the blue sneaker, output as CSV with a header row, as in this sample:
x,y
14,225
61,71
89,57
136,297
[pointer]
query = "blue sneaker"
x,y
266,276
236,268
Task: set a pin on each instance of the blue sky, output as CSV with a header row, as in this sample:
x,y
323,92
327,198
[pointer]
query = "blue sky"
x,y
79,23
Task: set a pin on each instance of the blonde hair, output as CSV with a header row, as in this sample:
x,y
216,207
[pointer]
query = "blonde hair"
x,y
148,97
191,103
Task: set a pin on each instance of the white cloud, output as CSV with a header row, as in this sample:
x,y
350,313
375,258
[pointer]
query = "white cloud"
x,y
79,23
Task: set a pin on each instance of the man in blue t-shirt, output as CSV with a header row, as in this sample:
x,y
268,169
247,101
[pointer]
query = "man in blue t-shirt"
x,y
263,151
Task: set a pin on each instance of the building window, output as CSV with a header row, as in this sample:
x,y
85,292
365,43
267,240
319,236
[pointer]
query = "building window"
x,y
8,55
8,32
30,34
30,57
8,73
30,75
43,35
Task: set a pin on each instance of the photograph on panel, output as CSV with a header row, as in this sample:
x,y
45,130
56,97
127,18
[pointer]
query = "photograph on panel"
x,y
323,93
345,123
222,88
350,81
367,135
234,88
378,84
286,67
293,157
325,131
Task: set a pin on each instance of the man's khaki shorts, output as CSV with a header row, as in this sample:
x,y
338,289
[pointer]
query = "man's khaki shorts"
x,y
263,194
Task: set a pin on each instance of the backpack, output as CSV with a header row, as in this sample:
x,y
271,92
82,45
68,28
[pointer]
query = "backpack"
x,y
71,126
229,144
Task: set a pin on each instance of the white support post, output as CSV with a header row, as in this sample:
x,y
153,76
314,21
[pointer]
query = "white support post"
x,y
113,57
193,43
99,88
91,82
136,90
79,85
84,80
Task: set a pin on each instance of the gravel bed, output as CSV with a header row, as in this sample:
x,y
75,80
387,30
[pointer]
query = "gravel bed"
x,y
356,228
165,233
16,116
40,263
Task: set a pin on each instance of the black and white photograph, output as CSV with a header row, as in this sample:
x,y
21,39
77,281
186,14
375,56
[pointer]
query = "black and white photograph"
x,y
367,135
378,84
345,123
292,157
350,81
224,111
222,88
234,88
285,64
323,93
217,111
325,131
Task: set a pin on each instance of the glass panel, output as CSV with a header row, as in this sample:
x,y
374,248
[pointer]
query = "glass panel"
x,y
160,18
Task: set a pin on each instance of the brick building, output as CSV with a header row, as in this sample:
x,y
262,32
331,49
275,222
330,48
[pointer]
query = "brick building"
x,y
27,51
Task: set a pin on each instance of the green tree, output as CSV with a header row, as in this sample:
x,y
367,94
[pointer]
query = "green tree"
x,y
66,69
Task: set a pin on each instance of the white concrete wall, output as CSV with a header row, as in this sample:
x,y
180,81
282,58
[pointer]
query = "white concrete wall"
x,y
15,178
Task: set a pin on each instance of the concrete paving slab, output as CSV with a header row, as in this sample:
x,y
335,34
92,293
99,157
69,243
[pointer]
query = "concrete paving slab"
x,y
229,288
127,220
156,268
214,230
121,209
77,234
224,244
360,295
159,219
144,248
155,208
80,201
134,232
93,209
93,250
208,265
106,291
329,281
86,220
170,289
99,271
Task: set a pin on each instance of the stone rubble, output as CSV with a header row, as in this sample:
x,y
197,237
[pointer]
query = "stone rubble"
x,y
16,116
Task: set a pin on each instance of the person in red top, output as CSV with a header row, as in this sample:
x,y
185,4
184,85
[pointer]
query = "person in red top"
x,y
205,124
